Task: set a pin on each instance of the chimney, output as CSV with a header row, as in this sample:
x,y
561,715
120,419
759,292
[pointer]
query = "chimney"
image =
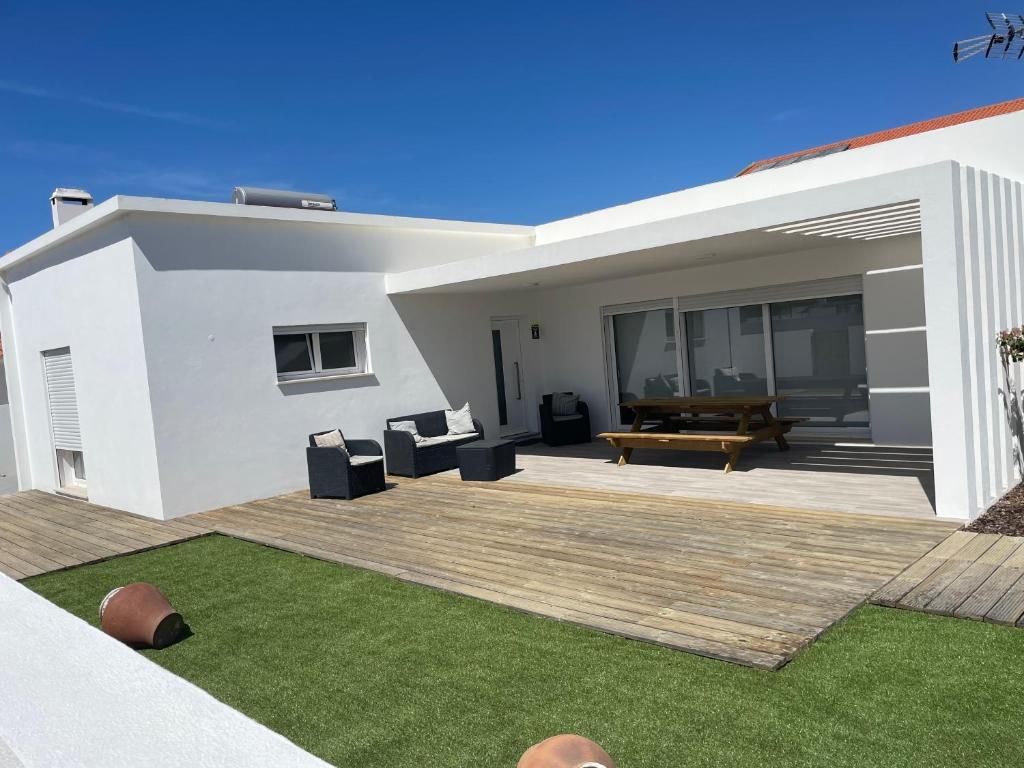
x,y
65,204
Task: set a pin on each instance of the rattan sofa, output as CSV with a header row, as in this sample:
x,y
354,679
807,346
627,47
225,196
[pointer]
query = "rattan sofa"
x,y
436,453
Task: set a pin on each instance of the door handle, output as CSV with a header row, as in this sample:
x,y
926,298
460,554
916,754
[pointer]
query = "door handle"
x,y
519,382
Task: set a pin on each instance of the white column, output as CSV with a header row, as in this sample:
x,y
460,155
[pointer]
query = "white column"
x,y
11,369
949,355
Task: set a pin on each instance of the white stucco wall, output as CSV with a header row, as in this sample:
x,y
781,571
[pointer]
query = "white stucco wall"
x,y
84,297
973,246
897,354
981,143
226,431
72,696
8,462
573,347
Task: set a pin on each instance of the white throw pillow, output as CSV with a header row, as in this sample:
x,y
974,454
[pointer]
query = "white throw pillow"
x,y
460,422
407,426
332,439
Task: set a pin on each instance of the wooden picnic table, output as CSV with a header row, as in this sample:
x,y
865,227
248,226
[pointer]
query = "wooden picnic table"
x,y
748,417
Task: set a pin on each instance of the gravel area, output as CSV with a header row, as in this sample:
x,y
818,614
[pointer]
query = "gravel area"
x,y
1006,516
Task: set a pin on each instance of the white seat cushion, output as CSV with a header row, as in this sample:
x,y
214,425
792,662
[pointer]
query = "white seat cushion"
x,y
356,461
426,442
573,417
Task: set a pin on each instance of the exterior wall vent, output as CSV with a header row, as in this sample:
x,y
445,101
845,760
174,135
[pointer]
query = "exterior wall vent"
x,y
66,203
278,198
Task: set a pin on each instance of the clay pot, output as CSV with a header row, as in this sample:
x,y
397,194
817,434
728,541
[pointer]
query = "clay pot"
x,y
565,751
140,616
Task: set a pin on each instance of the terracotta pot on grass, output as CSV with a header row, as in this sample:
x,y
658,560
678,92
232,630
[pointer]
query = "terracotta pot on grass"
x,y
565,751
140,616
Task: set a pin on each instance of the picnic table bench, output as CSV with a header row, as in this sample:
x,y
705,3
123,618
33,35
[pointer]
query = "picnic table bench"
x,y
684,421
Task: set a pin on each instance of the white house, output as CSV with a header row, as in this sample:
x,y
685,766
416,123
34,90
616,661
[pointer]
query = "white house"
x,y
172,356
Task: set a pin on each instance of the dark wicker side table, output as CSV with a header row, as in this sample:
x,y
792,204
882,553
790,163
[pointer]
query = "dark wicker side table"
x,y
486,459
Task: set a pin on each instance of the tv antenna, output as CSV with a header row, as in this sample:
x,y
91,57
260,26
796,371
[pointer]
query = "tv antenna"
x,y
1006,40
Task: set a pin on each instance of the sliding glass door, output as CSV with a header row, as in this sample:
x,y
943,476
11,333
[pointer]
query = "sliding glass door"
x,y
725,350
810,350
645,358
819,360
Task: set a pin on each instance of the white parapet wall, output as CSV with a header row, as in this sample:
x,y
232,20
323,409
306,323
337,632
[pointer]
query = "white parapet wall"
x,y
72,696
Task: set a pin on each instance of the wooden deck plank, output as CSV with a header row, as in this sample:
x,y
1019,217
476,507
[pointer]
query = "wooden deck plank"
x,y
896,589
1009,609
931,587
968,582
41,532
971,576
993,588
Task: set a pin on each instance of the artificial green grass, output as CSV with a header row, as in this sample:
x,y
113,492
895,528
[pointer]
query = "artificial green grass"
x,y
364,670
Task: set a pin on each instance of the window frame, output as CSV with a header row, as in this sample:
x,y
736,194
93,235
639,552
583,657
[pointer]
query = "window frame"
x,y
360,343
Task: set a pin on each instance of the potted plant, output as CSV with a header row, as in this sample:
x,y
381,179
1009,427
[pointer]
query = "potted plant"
x,y
1011,344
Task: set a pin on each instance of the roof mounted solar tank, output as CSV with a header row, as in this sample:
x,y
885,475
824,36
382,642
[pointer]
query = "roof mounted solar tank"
x,y
281,198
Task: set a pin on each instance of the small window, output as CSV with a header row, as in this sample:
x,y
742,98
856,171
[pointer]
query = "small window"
x,y
314,351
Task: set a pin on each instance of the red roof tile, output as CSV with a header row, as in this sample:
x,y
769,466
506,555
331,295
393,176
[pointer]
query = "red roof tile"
x,y
992,110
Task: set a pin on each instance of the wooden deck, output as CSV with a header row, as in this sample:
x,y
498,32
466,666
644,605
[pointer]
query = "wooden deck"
x,y
744,583
741,582
846,477
969,575
41,532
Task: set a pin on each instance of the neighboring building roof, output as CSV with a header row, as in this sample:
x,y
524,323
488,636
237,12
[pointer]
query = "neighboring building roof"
x,y
980,113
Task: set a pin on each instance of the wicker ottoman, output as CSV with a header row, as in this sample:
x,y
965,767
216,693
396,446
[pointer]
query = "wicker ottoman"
x,y
486,459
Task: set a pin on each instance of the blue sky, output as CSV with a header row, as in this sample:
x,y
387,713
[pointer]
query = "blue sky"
x,y
514,112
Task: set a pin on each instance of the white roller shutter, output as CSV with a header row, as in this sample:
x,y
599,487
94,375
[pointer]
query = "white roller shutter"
x,y
60,391
768,294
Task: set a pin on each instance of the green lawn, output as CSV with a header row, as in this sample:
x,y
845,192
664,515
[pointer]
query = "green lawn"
x,y
366,671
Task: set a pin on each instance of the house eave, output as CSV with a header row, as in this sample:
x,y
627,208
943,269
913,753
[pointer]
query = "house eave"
x,y
533,265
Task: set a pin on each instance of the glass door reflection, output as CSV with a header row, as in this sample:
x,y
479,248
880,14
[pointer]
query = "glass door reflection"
x,y
726,351
820,362
645,356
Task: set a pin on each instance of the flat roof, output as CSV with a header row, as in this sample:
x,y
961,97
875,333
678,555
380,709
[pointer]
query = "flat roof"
x,y
695,238
120,204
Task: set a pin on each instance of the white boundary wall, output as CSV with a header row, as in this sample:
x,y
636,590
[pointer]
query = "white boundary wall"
x,y
72,696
